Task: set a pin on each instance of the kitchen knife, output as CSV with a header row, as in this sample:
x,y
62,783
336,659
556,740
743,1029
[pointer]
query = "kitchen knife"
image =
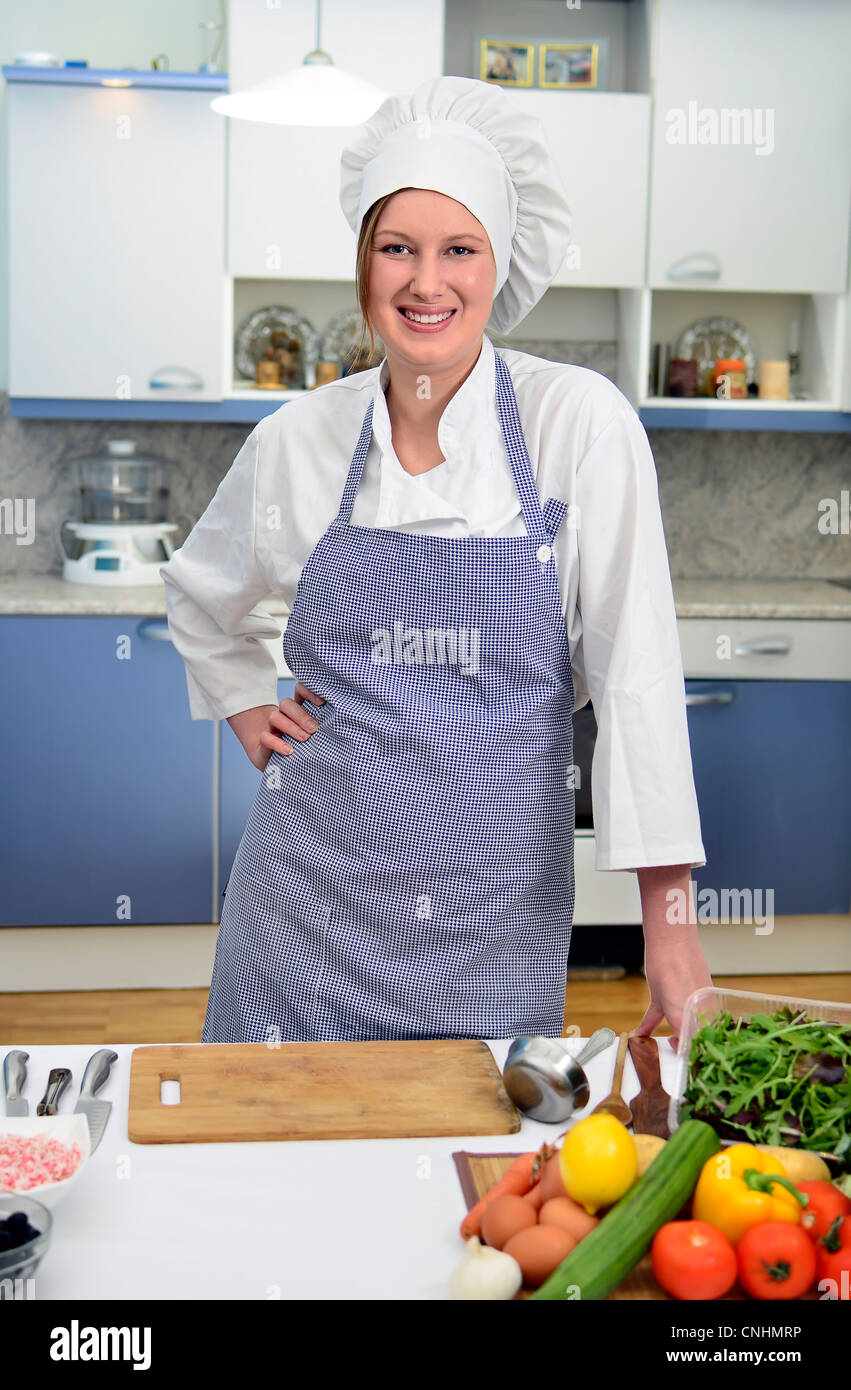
x,y
96,1111
14,1076
650,1107
56,1083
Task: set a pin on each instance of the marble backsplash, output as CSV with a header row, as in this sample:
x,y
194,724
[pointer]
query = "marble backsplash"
x,y
735,504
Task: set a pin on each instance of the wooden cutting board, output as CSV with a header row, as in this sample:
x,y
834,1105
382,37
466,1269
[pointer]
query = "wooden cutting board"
x,y
325,1090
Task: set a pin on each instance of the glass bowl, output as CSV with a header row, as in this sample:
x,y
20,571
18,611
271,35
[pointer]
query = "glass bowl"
x,y
23,1262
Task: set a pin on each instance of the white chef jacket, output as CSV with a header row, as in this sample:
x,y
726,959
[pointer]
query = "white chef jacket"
x,y
587,447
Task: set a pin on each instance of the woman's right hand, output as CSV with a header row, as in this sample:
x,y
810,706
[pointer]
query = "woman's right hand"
x,y
259,730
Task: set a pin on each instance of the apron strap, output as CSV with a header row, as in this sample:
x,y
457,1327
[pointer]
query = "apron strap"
x,y
347,501
515,444
554,513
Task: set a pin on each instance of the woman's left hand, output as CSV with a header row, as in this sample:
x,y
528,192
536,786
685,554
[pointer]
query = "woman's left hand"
x,y
674,963
674,969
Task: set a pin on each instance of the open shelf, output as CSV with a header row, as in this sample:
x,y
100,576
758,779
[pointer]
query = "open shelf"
x,y
703,413
116,77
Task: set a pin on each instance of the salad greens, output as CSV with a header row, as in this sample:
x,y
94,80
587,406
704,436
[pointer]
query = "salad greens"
x,y
779,1078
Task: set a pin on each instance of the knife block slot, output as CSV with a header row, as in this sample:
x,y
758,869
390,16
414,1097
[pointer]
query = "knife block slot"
x,y
169,1090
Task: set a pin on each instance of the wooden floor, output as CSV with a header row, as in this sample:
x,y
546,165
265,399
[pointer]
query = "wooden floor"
x,y
163,1015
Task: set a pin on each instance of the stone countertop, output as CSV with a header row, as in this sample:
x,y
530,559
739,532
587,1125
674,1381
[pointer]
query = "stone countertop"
x,y
761,598
49,595
45,595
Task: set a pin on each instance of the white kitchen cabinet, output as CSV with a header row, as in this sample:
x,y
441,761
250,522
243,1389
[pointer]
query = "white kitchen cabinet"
x,y
722,214
844,347
284,215
116,199
601,145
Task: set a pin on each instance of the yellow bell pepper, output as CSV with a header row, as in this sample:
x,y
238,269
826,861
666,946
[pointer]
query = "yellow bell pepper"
x,y
742,1186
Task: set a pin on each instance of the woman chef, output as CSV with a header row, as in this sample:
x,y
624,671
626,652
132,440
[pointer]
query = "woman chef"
x,y
471,545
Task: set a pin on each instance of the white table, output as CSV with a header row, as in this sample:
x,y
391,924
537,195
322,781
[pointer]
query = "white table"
x,y
335,1219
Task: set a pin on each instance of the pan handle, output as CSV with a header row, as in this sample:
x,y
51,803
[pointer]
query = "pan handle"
x,y
598,1042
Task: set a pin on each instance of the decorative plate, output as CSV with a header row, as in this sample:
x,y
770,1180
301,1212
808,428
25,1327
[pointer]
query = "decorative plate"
x,y
341,339
708,339
340,342
254,338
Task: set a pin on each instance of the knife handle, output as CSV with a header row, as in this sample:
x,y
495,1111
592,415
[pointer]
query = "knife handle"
x,y
56,1083
15,1073
97,1071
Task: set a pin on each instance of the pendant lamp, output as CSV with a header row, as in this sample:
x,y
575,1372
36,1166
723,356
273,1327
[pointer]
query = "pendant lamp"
x,y
318,93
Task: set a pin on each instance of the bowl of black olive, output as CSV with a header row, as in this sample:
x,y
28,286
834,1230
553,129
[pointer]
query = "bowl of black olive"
x,y
25,1231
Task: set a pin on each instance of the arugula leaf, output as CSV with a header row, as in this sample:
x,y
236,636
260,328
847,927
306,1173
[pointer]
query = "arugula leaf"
x,y
773,1079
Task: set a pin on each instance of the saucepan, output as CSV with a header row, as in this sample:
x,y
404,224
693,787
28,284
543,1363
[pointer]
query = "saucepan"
x,y
545,1081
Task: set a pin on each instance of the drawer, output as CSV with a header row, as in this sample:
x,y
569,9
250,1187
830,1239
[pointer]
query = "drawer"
x,y
772,649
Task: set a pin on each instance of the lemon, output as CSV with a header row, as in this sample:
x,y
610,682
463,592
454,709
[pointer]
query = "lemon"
x,y
598,1162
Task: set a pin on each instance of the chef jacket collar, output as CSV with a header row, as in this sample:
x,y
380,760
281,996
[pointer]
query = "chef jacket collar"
x,y
458,429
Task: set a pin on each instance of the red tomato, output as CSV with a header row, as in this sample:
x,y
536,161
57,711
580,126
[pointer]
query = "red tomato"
x,y
776,1260
833,1256
693,1260
825,1204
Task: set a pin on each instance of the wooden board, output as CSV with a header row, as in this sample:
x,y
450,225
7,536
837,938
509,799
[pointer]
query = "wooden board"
x,y
478,1172
325,1090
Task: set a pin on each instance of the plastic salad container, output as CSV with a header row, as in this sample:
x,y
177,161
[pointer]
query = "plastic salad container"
x,y
706,1004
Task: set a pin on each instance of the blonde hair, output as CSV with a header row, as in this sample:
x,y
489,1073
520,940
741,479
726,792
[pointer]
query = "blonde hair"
x,y
363,353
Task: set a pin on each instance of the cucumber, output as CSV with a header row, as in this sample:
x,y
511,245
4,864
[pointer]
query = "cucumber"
x,y
625,1234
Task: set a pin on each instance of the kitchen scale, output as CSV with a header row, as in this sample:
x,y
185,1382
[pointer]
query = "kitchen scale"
x,y
100,553
123,535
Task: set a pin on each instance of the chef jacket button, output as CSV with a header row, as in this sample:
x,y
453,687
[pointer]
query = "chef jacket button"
x,y
544,553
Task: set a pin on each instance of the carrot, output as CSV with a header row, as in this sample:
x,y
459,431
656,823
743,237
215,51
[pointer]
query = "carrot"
x,y
535,1195
517,1180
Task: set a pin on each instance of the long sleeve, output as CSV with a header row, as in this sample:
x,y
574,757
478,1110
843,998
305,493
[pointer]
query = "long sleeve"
x,y
214,583
642,784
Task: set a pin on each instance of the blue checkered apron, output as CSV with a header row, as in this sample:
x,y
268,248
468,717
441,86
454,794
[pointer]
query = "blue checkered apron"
x,y
407,870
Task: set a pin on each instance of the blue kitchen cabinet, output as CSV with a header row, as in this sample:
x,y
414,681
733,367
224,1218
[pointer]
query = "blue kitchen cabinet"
x,y
107,804
238,787
772,769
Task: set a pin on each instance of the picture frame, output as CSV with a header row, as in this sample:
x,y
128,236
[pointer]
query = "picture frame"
x,y
569,66
507,62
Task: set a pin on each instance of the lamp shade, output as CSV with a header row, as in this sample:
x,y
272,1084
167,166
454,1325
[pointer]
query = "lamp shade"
x,y
315,94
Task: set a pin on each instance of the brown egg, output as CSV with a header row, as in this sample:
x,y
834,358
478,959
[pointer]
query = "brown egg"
x,y
505,1217
551,1180
569,1215
538,1251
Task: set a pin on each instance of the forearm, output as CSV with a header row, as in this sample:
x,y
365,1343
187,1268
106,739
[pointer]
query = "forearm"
x,y
667,905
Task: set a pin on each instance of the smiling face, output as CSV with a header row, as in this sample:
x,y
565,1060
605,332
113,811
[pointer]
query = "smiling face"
x,y
432,277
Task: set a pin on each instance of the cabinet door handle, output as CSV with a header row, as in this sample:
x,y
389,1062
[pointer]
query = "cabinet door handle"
x,y
699,265
764,646
154,630
174,378
710,697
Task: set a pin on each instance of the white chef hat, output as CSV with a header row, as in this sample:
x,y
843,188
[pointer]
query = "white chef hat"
x,y
467,139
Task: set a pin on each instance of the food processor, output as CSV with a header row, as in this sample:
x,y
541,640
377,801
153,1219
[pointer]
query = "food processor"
x,y
123,534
